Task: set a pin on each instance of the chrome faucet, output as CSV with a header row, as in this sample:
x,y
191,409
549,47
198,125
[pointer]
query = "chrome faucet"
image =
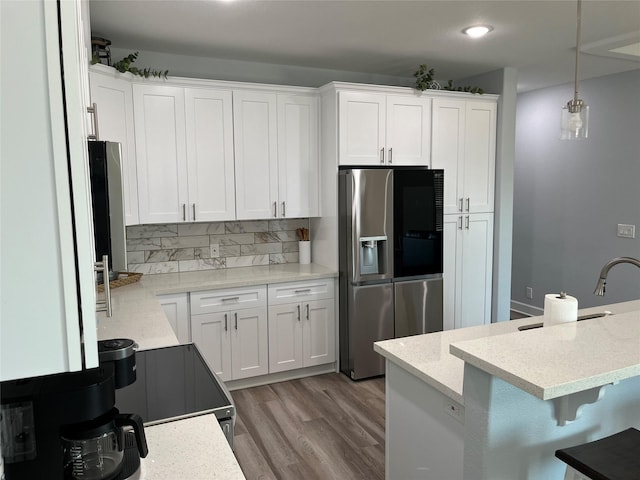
x,y
602,281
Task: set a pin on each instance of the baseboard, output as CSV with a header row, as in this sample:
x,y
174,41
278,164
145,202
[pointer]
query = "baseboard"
x,y
526,309
280,376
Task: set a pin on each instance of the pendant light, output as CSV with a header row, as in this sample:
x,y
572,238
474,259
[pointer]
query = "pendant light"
x,y
575,115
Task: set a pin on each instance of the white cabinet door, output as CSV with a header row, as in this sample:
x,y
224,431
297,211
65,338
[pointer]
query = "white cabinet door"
x,y
479,156
211,332
318,332
467,262
408,138
285,337
249,343
160,153
256,149
114,99
209,137
176,309
361,128
298,156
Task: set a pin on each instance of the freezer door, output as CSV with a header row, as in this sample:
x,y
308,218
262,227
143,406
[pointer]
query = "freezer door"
x,y
370,319
418,307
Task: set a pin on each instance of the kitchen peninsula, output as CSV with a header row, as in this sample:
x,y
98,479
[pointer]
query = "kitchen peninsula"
x,y
493,402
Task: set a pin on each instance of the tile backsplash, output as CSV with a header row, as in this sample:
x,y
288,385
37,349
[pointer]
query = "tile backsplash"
x,y
185,247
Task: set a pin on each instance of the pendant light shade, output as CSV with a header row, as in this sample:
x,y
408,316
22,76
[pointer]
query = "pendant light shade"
x,y
575,114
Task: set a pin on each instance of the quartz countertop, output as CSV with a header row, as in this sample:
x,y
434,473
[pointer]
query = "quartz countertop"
x,y
428,357
137,314
193,448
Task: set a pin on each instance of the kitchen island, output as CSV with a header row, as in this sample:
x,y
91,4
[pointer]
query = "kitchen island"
x,y
493,402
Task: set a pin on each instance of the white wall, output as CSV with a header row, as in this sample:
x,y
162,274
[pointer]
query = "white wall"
x,y
570,195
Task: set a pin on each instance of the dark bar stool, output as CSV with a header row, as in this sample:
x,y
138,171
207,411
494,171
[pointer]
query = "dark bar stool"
x,y
611,458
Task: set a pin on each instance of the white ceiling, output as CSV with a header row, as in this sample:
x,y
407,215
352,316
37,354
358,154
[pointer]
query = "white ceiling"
x,y
383,37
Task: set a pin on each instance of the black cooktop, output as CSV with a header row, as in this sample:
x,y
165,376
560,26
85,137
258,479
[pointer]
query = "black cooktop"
x,y
173,383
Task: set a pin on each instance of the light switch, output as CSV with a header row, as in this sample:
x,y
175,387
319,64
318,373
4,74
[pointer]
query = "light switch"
x,y
626,231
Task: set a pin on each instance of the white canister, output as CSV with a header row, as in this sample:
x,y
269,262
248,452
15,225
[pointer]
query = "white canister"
x,y
304,251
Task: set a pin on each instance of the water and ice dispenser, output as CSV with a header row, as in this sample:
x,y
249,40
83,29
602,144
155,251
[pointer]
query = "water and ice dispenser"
x,y
372,255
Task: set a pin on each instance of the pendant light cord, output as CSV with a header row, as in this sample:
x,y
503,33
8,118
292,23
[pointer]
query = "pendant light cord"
x,y
578,34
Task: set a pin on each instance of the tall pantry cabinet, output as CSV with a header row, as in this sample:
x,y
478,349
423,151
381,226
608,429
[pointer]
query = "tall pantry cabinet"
x,y
46,236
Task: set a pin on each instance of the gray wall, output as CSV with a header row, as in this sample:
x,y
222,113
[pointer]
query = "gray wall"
x,y
570,195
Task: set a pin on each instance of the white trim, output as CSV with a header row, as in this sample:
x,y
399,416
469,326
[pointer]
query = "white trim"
x,y
526,309
280,376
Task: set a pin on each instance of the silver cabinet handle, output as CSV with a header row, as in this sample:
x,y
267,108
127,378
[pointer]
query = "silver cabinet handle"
x,y
283,210
382,155
230,299
466,222
194,212
93,110
298,312
460,222
307,311
468,204
460,204
225,322
236,315
184,212
103,266
275,209
303,290
390,156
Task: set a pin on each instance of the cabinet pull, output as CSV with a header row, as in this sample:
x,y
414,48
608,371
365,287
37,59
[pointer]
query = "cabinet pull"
x,y
103,266
466,222
307,311
275,209
236,316
382,155
298,312
283,210
225,321
194,212
184,212
230,299
460,222
460,204
304,290
93,110
390,156
468,204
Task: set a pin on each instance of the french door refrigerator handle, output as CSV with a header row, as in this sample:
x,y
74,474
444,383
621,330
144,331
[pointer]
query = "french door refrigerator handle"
x,y
103,266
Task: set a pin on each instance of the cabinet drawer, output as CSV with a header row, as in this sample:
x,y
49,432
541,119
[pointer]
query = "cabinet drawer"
x,y
292,292
228,299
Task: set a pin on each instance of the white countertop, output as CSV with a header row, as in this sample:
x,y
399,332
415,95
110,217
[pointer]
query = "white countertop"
x,y
194,448
506,349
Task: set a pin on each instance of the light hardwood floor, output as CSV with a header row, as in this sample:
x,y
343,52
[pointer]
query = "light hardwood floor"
x,y
322,427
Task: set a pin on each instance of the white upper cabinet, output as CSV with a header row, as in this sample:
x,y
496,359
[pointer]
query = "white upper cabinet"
x,y
184,146
114,100
464,139
276,155
378,129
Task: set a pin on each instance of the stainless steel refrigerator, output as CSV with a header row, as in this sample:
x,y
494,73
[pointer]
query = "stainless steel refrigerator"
x,y
390,241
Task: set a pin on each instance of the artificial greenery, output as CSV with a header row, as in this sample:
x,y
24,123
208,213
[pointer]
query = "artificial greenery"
x,y
424,81
124,65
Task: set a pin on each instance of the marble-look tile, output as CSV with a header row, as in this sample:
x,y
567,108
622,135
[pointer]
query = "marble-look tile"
x,y
152,231
247,261
201,264
135,257
232,239
247,227
260,248
229,250
291,257
190,229
185,242
137,244
201,252
169,255
160,267
266,237
288,224
286,236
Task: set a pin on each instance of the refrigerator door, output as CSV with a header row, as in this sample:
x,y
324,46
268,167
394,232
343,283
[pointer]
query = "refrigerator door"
x,y
370,320
418,306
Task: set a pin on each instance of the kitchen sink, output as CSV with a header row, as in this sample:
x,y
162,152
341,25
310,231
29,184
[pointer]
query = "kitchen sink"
x,y
580,318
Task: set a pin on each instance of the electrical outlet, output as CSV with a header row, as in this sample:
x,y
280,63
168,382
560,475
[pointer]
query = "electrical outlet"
x,y
626,231
529,291
214,250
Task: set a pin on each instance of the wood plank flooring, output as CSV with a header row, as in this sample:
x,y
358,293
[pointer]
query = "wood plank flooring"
x,y
315,428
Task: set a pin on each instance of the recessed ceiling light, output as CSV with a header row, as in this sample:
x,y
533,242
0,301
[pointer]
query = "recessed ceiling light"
x,y
477,31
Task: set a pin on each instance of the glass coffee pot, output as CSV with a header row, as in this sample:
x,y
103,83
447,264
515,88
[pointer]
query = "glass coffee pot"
x,y
95,450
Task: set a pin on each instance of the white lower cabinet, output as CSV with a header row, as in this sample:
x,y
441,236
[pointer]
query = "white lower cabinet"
x,y
176,309
301,325
230,329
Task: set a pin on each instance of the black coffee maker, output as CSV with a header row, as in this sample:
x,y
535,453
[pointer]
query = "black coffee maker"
x,y
66,426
